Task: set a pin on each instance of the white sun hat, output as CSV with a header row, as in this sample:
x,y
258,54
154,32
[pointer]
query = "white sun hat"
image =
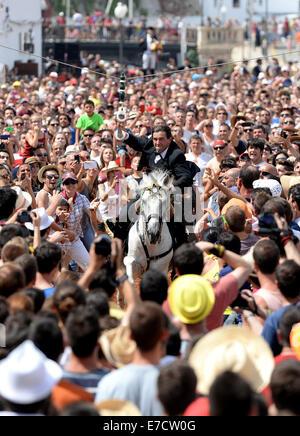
x,y
27,375
46,220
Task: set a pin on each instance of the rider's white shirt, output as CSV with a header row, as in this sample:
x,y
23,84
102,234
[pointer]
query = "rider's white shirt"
x,y
161,156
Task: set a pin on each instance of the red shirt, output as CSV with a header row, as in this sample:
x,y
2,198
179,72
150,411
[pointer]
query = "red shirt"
x,y
127,162
152,108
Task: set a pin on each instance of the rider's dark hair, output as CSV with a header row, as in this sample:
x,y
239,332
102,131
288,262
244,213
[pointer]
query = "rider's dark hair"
x,y
165,129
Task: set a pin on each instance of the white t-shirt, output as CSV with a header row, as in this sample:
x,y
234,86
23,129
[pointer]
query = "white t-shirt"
x,y
201,162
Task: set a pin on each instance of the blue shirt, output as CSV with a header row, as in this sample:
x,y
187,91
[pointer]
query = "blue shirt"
x,y
271,326
49,291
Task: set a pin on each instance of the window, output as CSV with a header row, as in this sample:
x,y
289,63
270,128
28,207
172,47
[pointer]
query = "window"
x,y
236,3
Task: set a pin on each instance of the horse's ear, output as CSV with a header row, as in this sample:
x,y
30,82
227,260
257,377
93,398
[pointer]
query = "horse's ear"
x,y
138,206
167,180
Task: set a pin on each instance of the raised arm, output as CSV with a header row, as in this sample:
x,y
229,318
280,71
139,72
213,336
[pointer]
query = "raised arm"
x,y
241,268
230,194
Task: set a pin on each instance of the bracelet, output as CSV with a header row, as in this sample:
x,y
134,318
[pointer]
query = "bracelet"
x,y
285,240
217,250
123,279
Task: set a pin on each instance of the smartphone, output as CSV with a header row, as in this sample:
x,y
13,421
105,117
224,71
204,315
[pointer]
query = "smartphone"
x,y
24,217
90,164
23,176
4,137
77,157
240,302
103,245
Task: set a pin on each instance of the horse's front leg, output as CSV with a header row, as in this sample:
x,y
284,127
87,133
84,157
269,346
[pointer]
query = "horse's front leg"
x,y
134,269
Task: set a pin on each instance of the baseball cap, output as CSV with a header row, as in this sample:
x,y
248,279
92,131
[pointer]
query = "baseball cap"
x,y
219,142
24,100
17,83
191,298
69,176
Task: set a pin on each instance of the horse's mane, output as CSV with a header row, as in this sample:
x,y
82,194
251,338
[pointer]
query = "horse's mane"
x,y
157,178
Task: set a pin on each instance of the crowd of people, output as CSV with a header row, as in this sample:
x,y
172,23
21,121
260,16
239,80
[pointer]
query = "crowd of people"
x,y
217,336
102,26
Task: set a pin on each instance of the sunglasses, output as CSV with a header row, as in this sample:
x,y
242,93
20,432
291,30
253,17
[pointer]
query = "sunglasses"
x,y
4,176
139,126
248,130
87,135
289,122
19,124
285,115
171,124
54,124
70,182
243,158
221,113
209,125
56,177
2,123
42,154
220,148
264,173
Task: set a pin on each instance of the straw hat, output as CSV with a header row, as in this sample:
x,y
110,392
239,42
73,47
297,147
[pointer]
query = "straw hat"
x,y
290,129
32,160
287,182
47,168
191,298
117,346
24,199
113,166
237,117
117,408
293,138
235,349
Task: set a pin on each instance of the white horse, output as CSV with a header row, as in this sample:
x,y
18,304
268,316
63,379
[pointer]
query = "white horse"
x,y
150,244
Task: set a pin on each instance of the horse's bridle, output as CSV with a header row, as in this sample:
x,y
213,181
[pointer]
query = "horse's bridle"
x,y
148,257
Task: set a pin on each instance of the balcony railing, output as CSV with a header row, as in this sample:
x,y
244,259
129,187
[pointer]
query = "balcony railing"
x,y
202,37
112,33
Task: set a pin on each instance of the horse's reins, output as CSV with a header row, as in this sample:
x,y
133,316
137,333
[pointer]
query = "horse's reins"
x,y
149,258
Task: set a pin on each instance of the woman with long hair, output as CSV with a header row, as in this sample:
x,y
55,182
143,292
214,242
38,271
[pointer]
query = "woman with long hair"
x,y
107,155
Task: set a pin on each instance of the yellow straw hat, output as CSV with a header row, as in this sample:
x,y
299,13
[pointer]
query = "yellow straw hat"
x,y
191,298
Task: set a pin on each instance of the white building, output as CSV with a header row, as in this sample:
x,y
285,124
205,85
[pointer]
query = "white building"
x,y
20,29
239,9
